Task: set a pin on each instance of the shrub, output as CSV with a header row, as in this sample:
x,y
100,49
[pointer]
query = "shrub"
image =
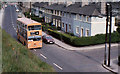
x,y
54,34
58,28
118,29
67,38
70,34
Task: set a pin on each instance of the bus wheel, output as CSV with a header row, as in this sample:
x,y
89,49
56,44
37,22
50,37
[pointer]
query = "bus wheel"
x,y
24,43
18,38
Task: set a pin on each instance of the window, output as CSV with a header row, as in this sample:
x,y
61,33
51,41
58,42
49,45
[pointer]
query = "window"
x,y
80,17
63,13
81,32
87,18
69,27
77,30
34,38
54,21
60,13
59,23
34,27
57,12
63,25
87,32
77,16
70,15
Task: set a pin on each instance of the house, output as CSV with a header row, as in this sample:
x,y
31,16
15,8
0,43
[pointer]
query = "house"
x,y
39,8
77,19
84,21
54,14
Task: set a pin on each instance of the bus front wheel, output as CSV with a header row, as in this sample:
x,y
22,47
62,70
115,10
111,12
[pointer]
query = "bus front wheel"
x,y
24,43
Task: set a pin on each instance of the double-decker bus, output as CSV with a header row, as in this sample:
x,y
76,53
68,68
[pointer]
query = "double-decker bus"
x,y
29,32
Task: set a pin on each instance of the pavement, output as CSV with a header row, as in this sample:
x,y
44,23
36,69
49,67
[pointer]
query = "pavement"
x,y
69,47
1,16
114,62
113,66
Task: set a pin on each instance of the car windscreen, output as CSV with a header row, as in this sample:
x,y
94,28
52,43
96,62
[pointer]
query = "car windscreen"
x,y
34,38
49,37
34,27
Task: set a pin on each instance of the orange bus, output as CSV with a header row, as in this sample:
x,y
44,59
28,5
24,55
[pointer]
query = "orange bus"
x,y
29,32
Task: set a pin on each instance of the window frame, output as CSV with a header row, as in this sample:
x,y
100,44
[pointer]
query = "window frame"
x,y
82,32
77,29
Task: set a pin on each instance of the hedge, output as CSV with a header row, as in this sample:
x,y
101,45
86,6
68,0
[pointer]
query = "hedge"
x,y
84,41
33,17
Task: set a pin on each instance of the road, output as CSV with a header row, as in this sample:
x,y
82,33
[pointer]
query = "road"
x,y
62,60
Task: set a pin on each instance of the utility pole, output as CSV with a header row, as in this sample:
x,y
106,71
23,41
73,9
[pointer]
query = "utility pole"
x,y
30,9
110,35
108,23
105,54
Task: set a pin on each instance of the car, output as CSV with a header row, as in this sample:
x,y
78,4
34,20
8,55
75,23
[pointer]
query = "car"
x,y
17,10
48,39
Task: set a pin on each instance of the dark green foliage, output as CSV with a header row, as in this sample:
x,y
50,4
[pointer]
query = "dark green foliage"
x,y
58,28
84,41
33,17
54,34
118,29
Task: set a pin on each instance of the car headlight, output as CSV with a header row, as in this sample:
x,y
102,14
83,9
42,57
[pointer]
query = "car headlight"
x,y
48,40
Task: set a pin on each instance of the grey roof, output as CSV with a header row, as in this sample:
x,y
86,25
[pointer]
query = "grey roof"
x,y
89,10
41,4
72,7
85,10
56,6
115,5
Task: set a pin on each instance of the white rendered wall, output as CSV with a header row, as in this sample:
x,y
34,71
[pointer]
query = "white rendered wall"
x,y
98,25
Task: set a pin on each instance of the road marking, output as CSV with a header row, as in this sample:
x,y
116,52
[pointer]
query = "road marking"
x,y
43,56
58,66
34,50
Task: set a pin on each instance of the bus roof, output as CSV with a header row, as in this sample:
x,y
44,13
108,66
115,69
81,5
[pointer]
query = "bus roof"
x,y
26,20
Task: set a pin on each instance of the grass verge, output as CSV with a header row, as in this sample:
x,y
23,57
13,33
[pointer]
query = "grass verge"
x,y
17,58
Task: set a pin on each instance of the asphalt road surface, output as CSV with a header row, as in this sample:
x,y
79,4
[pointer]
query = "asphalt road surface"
x,y
62,60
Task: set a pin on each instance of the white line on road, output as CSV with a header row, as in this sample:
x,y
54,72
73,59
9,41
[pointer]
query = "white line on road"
x,y
58,66
43,56
34,50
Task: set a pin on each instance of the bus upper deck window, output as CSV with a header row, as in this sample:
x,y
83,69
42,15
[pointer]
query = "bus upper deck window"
x,y
35,27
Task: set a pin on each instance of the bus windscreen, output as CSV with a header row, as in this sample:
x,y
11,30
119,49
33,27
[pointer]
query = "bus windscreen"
x,y
34,38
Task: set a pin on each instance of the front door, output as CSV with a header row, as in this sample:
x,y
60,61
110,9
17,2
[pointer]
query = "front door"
x,y
66,27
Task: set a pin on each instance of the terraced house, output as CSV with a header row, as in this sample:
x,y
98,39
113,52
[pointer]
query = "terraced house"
x,y
79,20
54,14
39,8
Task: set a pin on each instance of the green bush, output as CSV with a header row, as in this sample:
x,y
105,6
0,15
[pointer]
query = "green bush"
x,y
118,29
54,34
58,28
84,41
